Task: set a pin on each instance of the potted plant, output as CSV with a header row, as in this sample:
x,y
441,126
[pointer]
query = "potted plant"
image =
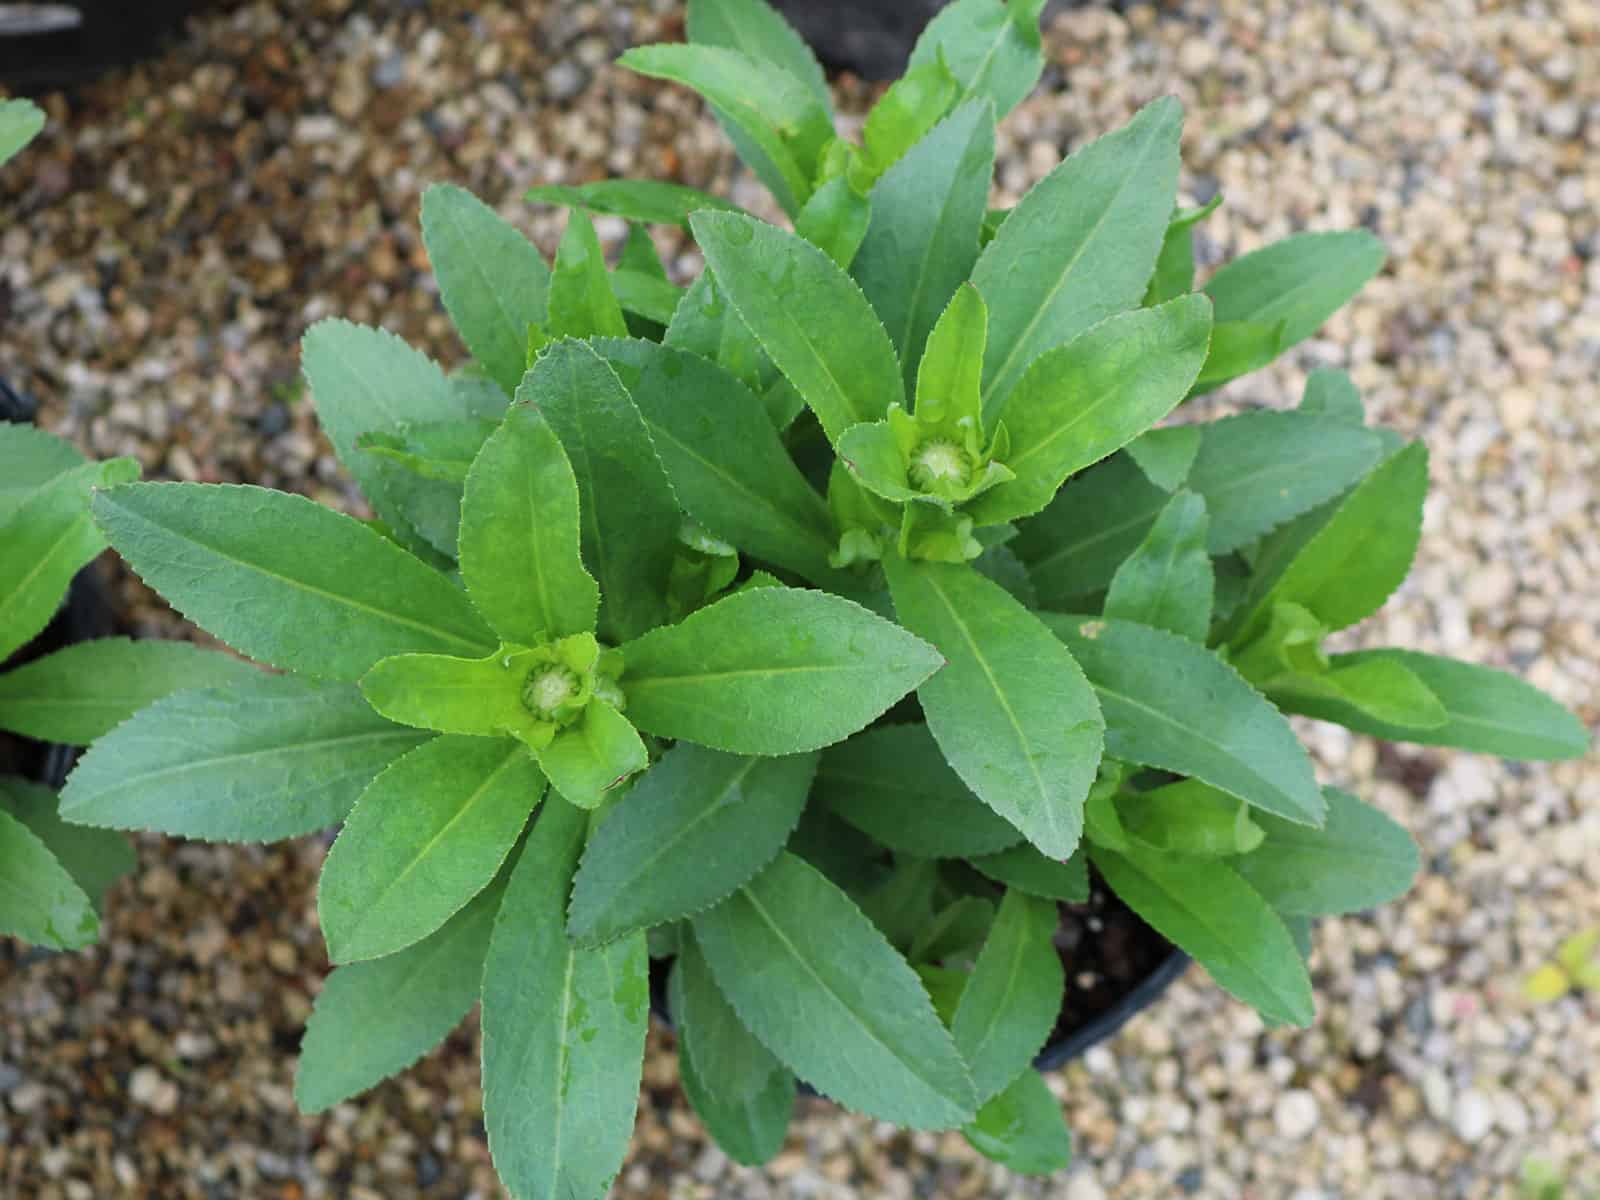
x,y
61,685
817,629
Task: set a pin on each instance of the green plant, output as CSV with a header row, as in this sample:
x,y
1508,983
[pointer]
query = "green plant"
x,y
663,579
53,876
1576,968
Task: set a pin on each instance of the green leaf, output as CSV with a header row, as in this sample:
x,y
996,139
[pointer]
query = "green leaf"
x,y
1190,817
993,50
374,1019
1332,393
581,300
94,858
493,281
808,315
771,671
366,381
48,538
520,542
39,901
30,458
950,374
1206,909
1486,710
1073,547
811,977
1023,1128
1300,281
1081,245
481,697
1011,711
629,516
955,931
726,463
1171,704
1362,552
1080,402
697,826
872,454
1165,455
563,1030
905,113
922,239
1024,869
892,782
705,324
835,220
757,29
440,450
20,123
645,295
1237,348
1168,582
1011,1003
1174,274
776,122
284,580
901,905
427,835
85,690
593,755
1259,469
261,759
1378,688
747,1106
1358,860
652,201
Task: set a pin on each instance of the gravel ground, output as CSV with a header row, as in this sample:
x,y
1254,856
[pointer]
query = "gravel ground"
x,y
180,225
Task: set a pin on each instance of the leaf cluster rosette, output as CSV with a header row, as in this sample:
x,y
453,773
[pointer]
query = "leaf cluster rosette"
x,y
812,629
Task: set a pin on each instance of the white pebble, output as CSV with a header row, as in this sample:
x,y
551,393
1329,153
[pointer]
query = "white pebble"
x,y
1295,1114
1474,1116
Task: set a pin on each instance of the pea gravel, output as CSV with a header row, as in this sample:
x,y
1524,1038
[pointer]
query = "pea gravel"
x,y
181,222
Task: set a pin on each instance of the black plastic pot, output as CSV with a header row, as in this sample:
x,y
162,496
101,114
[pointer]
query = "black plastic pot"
x,y
51,45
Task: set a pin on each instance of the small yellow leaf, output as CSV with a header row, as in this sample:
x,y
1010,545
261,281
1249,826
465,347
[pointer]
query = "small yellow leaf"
x,y
1548,983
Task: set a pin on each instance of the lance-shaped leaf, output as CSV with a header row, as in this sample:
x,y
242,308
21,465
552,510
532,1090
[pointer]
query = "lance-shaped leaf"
x,y
520,555
1358,860
1168,581
427,835
1080,402
629,517
774,120
1080,246
1190,817
1206,909
284,580
757,29
481,697
271,757
375,1018
706,324
1299,282
1362,552
1486,710
993,49
808,315
696,827
901,117
835,220
1237,348
746,1108
726,462
20,123
1378,688
94,858
1166,454
922,238
30,458
493,281
581,301
1011,1002
771,671
811,977
1172,704
48,538
563,1029
950,373
1023,1128
39,901
1174,273
645,296
1024,869
593,755
1073,548
441,450
651,201
1259,469
85,690
366,381
1332,393
1011,710
893,783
